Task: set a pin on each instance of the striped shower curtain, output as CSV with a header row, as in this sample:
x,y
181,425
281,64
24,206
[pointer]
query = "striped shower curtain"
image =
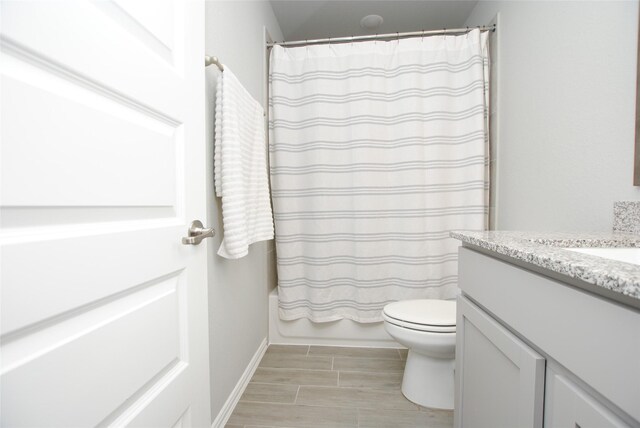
x,y
377,150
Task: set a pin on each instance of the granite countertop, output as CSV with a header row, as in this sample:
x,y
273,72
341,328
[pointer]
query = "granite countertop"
x,y
546,250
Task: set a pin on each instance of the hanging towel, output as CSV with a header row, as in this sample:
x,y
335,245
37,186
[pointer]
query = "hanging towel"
x,y
240,168
217,126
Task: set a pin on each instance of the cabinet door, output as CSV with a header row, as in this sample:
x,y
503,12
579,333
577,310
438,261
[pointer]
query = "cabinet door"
x,y
499,379
567,405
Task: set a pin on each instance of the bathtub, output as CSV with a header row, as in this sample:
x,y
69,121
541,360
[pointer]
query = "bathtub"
x,y
336,333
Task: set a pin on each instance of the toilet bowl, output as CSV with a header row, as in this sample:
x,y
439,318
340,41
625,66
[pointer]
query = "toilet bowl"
x,y
428,329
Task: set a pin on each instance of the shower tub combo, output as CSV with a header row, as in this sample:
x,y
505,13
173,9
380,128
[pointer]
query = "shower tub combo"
x,y
336,333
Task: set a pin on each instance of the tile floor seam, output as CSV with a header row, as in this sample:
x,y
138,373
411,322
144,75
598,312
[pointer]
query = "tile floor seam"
x,y
268,383
295,368
351,357
264,402
345,406
362,371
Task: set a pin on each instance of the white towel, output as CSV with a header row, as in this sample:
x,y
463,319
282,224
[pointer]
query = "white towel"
x,y
217,138
240,168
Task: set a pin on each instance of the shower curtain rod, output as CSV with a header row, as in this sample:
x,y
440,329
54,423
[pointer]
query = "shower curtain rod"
x,y
382,36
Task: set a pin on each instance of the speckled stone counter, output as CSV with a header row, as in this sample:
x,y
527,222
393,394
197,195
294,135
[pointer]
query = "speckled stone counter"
x,y
545,253
626,216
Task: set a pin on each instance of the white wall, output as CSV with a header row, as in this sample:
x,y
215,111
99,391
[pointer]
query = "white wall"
x,y
238,289
567,76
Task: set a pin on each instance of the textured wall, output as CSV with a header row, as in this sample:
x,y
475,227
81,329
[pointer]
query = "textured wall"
x,y
566,95
238,289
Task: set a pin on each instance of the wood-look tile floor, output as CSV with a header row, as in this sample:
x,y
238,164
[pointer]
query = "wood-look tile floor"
x,y
324,386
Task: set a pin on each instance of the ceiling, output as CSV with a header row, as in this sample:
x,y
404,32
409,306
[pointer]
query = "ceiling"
x,y
307,19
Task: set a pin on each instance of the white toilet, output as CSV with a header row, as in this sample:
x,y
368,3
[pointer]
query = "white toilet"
x,y
428,329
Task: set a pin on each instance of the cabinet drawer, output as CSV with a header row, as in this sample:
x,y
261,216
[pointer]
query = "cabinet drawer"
x,y
567,405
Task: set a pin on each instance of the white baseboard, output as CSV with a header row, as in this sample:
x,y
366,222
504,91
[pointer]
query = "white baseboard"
x,y
234,397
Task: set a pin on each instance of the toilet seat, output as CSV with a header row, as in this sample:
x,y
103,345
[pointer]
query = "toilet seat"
x,y
429,315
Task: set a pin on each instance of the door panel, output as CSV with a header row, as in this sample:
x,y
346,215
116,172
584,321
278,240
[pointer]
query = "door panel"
x,y
97,45
99,359
108,166
30,296
153,16
103,310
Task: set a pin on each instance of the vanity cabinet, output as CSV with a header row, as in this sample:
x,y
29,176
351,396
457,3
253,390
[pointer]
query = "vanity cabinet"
x,y
568,405
533,351
496,370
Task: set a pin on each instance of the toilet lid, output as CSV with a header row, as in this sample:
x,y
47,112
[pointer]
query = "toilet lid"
x,y
423,314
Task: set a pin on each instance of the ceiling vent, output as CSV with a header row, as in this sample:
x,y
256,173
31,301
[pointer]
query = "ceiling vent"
x,y
371,22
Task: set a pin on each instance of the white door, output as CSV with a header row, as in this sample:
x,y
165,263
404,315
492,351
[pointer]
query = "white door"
x,y
103,309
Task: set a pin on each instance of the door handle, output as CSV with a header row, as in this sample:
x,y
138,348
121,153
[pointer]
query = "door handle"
x,y
197,232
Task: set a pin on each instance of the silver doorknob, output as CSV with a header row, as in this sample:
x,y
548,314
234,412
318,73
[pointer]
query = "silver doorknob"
x,y
197,232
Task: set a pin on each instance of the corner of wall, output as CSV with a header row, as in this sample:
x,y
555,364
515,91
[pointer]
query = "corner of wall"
x,y
238,289
494,123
